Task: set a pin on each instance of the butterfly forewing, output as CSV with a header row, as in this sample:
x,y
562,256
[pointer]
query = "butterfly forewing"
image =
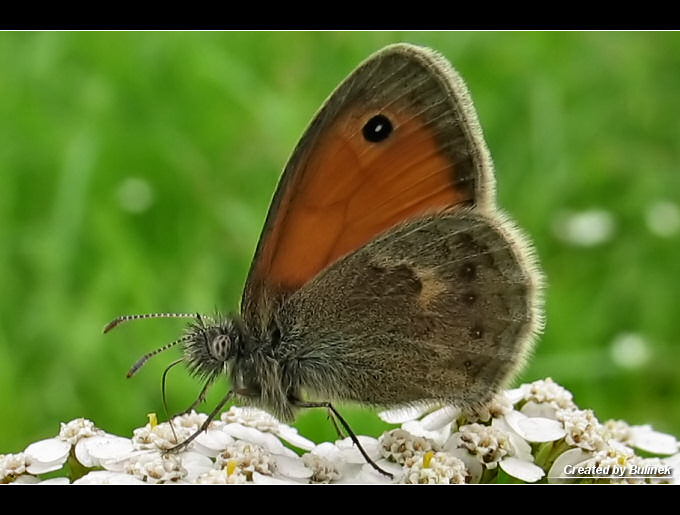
x,y
340,190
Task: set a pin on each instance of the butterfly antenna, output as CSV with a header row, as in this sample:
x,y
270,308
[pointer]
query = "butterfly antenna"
x,y
140,362
127,318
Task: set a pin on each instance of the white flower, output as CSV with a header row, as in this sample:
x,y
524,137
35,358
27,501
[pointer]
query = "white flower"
x,y
330,452
196,464
548,395
606,458
563,468
486,447
521,469
583,429
13,466
441,419
535,424
268,441
401,414
249,458
162,436
399,445
435,468
348,471
499,407
614,463
55,481
350,454
221,477
646,470
156,467
106,477
486,444
434,425
191,420
642,437
97,451
350,463
210,442
47,455
535,429
74,430
265,423
323,469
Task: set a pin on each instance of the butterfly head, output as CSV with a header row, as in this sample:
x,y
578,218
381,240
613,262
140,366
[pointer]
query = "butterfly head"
x,y
211,345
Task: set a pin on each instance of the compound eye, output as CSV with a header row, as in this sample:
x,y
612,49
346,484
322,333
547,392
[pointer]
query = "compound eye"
x,y
219,347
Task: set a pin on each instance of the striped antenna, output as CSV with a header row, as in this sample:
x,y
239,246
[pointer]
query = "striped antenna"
x,y
127,318
140,362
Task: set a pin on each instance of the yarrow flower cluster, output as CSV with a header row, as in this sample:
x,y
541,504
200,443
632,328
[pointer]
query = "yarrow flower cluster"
x,y
534,433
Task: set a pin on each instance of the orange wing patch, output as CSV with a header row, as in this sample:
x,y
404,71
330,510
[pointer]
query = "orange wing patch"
x,y
351,190
341,189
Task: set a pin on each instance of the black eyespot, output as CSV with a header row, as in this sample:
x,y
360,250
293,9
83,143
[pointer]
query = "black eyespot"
x,y
377,129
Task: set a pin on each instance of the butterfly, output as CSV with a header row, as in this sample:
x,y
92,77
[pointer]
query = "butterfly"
x,y
385,273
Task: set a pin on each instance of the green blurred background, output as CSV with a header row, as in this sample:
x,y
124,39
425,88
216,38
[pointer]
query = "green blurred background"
x,y
136,170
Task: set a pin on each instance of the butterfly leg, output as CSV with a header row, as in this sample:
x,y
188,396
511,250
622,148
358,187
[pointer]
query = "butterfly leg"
x,y
180,447
334,421
336,415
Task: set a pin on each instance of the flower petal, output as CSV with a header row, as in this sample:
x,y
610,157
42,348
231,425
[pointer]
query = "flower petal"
x,y
401,414
521,469
94,451
292,467
536,409
291,435
515,395
105,477
439,436
212,442
264,479
646,439
539,429
196,464
440,418
557,473
47,455
55,481
351,454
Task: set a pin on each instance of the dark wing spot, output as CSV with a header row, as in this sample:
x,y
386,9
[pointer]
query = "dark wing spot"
x,y
377,129
476,332
468,271
469,298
